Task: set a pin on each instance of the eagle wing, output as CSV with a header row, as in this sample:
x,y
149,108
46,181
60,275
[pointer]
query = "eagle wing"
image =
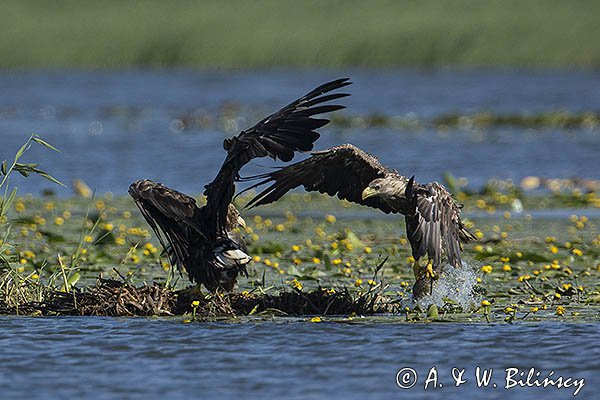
x,y
172,215
344,171
279,135
433,224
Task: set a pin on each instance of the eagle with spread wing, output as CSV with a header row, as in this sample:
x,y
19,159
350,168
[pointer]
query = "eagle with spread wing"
x,y
204,241
432,216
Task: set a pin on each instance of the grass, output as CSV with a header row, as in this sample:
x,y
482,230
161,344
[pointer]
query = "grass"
x,y
240,34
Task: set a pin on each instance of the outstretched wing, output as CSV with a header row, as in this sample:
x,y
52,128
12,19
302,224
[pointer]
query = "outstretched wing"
x,y
172,215
433,225
290,129
344,171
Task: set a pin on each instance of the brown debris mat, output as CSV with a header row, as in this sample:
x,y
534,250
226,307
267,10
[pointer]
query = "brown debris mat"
x,y
115,298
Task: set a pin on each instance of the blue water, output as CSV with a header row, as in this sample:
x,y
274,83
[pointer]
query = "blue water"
x,y
138,358
115,127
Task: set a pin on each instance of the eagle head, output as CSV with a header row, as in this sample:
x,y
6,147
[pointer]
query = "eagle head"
x,y
386,188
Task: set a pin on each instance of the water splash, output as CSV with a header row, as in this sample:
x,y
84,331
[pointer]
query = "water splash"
x,y
455,285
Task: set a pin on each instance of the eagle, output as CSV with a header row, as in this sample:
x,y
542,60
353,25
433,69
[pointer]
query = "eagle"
x,y
205,241
432,216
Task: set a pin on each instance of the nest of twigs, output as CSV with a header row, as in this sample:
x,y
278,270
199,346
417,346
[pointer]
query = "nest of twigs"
x,y
117,298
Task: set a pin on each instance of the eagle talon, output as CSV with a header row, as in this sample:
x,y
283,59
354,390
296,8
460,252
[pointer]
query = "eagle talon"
x,y
429,271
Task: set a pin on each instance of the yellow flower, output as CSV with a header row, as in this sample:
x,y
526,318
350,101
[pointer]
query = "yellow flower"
x,y
296,284
509,310
524,278
550,239
195,303
316,260
358,282
486,269
560,310
126,214
371,282
330,218
367,250
59,221
334,245
295,248
256,259
297,261
315,319
267,262
534,309
337,261
506,268
349,246
577,252
485,303
35,276
109,227
19,207
553,249
120,241
280,228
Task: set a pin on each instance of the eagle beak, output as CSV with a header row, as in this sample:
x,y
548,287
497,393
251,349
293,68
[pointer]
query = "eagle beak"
x,y
368,192
241,222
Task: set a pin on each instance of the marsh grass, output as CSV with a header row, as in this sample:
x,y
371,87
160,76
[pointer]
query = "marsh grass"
x,y
233,34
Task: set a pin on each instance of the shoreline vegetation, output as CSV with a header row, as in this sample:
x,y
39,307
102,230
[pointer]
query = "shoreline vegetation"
x,y
239,34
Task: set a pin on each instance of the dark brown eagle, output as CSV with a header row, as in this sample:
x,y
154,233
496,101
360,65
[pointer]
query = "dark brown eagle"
x,y
432,216
203,240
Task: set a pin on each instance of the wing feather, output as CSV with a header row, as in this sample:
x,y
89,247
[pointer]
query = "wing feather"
x,y
279,136
433,223
173,216
344,171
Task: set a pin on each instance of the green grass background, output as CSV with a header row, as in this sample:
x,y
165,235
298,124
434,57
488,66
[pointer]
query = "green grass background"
x,y
248,34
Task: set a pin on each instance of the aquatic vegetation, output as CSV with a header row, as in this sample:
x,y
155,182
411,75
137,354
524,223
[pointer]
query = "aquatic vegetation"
x,y
312,255
327,247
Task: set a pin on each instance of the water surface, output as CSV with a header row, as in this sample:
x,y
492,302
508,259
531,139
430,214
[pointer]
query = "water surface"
x,y
138,358
115,127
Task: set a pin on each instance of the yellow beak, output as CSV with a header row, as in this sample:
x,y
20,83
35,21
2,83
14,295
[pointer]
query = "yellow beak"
x,y
368,192
241,222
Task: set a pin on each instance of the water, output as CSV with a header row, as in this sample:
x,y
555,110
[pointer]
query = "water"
x,y
115,127
103,358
